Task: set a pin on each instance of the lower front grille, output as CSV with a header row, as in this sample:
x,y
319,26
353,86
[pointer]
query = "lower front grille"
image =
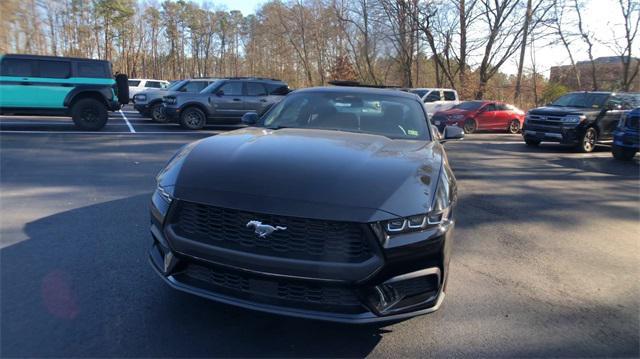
x,y
268,290
303,238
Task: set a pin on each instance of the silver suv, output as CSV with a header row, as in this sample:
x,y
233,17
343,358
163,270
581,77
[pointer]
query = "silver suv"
x,y
149,102
224,101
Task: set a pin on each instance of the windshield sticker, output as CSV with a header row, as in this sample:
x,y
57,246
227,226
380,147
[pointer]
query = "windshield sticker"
x,y
412,133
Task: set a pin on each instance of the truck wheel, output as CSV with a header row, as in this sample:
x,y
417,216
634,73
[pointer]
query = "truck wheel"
x,y
470,126
514,127
89,114
531,142
589,139
623,154
157,113
193,118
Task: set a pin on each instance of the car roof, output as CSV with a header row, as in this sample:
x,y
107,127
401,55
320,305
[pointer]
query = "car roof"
x,y
45,57
358,90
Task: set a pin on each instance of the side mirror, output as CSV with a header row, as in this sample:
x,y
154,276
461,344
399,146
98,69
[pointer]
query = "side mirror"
x,y
250,118
452,133
220,93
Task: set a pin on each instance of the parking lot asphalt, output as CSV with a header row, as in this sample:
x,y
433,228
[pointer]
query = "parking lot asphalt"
x,y
545,258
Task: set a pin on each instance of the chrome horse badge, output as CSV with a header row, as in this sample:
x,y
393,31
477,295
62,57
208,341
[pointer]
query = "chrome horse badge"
x,y
263,230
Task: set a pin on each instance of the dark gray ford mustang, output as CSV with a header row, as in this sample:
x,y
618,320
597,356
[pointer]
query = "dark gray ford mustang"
x,y
336,205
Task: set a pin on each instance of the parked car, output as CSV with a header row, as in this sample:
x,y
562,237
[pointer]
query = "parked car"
x,y
83,89
224,101
138,85
626,137
581,119
437,99
475,116
149,102
337,204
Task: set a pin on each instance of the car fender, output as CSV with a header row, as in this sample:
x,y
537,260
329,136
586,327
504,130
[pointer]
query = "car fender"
x,y
197,104
105,91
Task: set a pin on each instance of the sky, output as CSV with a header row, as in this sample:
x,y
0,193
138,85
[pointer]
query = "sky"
x,y
601,17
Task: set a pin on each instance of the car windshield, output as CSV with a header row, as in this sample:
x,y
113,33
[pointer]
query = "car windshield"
x,y
387,115
211,86
470,105
582,99
175,86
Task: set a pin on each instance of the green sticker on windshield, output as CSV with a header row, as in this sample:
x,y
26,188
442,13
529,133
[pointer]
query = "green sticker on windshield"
x,y
412,133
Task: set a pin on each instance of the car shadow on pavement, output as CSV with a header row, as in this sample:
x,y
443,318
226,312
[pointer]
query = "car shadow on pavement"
x,y
80,285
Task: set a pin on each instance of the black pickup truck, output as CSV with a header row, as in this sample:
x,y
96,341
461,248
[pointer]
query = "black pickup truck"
x,y
581,119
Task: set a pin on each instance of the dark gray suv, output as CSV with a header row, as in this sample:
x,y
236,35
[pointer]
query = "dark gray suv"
x,y
149,102
224,101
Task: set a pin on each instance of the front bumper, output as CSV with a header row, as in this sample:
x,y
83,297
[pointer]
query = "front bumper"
x,y
172,113
565,135
352,298
142,107
626,139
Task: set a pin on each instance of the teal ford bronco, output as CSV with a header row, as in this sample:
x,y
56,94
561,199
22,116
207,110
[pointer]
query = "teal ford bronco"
x,y
83,89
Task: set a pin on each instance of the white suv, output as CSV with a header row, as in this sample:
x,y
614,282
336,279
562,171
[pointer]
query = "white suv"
x,y
138,85
437,99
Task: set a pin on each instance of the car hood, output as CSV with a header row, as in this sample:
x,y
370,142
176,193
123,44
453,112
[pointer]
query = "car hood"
x,y
561,111
312,173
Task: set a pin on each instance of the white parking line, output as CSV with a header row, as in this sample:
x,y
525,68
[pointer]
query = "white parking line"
x,y
127,121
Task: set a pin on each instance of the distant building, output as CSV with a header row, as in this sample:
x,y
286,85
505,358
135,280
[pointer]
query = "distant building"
x,y
608,74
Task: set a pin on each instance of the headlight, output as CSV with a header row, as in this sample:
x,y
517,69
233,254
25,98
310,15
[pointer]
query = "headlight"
x,y
573,119
439,213
140,97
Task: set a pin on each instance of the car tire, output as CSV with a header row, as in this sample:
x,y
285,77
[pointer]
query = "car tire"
x,y
623,154
470,126
514,127
193,118
89,114
588,141
157,113
531,142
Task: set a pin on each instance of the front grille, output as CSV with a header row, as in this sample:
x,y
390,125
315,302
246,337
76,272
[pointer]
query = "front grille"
x,y
270,290
307,239
548,121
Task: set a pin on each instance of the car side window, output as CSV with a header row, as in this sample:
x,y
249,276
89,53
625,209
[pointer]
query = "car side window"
x,y
153,84
92,69
194,86
490,107
433,96
501,107
449,96
232,88
17,67
256,89
54,69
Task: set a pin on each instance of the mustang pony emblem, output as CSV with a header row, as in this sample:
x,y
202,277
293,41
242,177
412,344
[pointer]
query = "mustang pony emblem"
x,y
263,230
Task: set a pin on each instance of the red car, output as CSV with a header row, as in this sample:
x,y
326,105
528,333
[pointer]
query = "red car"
x,y
481,115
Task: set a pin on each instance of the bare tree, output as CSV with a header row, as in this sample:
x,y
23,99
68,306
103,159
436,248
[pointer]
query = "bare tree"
x,y
587,37
629,9
503,40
